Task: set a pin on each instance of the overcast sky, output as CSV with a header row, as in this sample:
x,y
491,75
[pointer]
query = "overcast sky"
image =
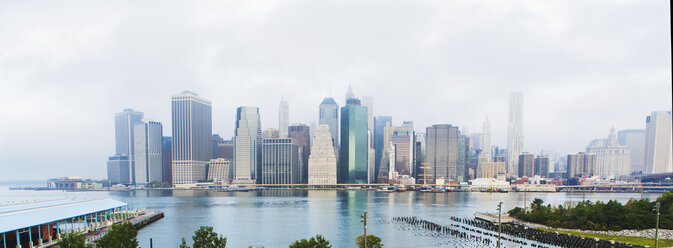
x,y
66,67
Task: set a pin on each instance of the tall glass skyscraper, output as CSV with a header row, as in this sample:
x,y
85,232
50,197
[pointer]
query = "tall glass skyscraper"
x,y
380,123
148,152
247,145
514,132
354,151
329,115
192,137
124,123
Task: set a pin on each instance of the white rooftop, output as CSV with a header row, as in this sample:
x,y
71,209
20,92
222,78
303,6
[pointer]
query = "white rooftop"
x,y
17,216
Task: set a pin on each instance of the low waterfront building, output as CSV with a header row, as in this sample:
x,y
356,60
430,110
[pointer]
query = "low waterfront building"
x,y
536,187
72,183
489,184
220,170
491,169
42,223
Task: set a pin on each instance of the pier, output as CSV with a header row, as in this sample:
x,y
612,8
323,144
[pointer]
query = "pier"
x,y
41,224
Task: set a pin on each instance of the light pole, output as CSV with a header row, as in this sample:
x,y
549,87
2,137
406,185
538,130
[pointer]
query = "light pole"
x,y
364,221
499,222
656,231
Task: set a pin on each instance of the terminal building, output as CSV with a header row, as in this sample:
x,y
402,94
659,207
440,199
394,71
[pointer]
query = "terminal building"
x,y
41,224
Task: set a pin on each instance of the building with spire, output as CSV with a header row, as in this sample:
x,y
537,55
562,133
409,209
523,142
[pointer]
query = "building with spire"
x,y
283,118
612,159
322,163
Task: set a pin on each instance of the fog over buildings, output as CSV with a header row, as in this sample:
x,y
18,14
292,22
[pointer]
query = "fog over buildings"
x,y
67,68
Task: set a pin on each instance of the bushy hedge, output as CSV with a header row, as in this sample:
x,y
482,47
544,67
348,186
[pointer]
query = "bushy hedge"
x,y
600,216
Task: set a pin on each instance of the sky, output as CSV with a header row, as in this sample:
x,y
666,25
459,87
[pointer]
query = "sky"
x,y
66,67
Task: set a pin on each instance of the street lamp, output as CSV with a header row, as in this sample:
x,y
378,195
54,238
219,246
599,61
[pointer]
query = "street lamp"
x,y
364,221
656,231
499,222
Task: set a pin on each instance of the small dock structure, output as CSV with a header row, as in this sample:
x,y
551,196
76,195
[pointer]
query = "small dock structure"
x,y
41,224
493,217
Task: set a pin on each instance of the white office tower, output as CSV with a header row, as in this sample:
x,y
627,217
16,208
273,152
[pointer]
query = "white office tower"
x,y
283,118
486,140
514,132
247,145
371,168
148,152
658,149
322,163
612,159
191,145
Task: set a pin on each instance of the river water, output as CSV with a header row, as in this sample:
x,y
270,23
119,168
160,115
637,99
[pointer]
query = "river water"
x,y
276,218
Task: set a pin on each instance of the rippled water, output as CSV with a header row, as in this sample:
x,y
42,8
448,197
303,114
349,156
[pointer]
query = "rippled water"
x,y
275,218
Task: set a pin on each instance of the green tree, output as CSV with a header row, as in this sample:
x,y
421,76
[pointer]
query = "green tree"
x,y
73,240
205,237
183,244
372,241
119,236
314,242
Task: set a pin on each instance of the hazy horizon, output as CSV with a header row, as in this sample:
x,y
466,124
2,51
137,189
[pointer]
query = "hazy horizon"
x,y
66,68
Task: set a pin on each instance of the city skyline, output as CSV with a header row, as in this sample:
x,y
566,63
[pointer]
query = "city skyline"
x,y
67,78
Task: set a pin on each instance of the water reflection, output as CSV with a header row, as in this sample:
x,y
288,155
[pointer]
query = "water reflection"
x,y
275,218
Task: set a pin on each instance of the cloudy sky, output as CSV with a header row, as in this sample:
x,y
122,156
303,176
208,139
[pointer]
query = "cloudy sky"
x,y
66,67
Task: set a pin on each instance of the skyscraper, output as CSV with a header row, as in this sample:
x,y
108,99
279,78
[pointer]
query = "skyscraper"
x,y
612,159
329,115
192,137
354,151
441,153
486,137
514,132
379,124
148,152
658,147
280,162
124,123
302,136
403,139
580,164
283,118
166,160
247,145
349,94
635,140
526,165
368,101
542,165
322,164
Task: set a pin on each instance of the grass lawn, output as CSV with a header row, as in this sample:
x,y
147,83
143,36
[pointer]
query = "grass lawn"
x,y
623,239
